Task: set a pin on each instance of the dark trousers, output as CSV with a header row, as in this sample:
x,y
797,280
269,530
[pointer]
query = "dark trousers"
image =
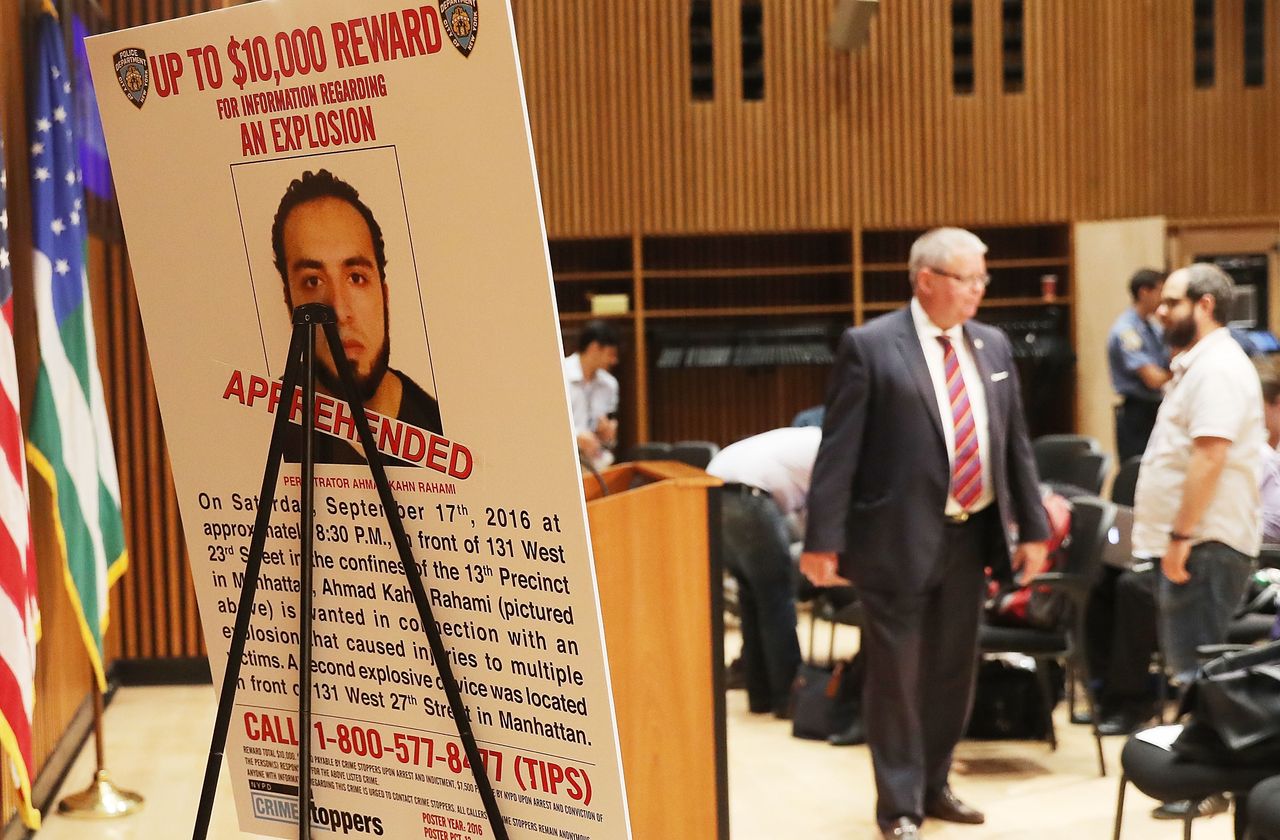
x,y
1099,624
1135,638
757,552
1135,418
922,650
1121,627
1199,611
1192,614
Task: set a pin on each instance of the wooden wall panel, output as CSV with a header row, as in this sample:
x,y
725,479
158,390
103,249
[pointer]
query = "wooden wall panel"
x,y
937,155
720,164
1105,255
153,606
1109,123
727,404
579,68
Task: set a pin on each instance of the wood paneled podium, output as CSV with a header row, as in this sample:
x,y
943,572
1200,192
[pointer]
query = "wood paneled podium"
x,y
655,536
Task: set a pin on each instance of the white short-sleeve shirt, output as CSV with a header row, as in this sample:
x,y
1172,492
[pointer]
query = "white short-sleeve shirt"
x,y
1214,393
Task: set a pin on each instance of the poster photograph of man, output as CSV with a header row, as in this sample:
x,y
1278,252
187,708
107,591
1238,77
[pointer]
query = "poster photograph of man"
x,y
328,245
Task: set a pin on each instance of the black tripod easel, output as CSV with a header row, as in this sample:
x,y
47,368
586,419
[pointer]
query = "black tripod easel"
x,y
301,365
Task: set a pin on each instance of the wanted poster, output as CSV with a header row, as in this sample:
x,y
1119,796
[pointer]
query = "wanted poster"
x,y
375,158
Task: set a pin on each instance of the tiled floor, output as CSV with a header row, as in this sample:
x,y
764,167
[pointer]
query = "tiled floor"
x,y
780,788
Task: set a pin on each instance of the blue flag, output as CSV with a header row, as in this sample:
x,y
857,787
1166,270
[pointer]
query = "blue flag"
x,y
94,166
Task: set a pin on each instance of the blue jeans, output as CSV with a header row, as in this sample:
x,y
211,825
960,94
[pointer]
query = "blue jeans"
x,y
757,552
1198,612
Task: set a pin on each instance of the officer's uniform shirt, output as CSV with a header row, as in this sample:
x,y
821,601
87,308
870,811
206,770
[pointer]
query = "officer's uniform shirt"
x,y
1132,343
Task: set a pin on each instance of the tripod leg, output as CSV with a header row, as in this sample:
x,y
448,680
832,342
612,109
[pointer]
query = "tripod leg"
x,y
438,652
307,570
253,567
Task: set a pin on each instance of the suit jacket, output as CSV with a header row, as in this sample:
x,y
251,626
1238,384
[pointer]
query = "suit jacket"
x,y
882,474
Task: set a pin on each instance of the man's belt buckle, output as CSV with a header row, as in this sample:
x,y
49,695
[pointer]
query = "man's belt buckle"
x,y
958,518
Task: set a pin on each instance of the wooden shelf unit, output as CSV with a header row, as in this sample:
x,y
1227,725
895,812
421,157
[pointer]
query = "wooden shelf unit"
x,y
739,311
1033,262
763,271
581,317
1019,257
592,276
722,290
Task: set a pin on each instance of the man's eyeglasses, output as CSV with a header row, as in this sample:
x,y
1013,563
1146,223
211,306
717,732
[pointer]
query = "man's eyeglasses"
x,y
979,280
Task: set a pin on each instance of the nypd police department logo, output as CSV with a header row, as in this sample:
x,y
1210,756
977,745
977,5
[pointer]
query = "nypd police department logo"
x,y
133,75
462,22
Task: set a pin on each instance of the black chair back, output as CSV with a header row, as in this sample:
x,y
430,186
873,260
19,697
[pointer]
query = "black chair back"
x,y
1055,446
1263,805
1089,470
1057,456
697,453
1092,519
654,450
1126,483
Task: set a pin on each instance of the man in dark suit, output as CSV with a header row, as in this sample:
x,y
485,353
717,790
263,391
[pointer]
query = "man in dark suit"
x,y
924,477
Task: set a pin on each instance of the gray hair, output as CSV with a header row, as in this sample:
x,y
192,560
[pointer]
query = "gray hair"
x,y
1207,279
936,247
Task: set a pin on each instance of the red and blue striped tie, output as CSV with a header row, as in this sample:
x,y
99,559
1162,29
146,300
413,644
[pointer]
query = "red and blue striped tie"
x,y
966,473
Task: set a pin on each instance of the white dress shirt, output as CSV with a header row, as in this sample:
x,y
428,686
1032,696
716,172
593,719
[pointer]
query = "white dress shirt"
x,y
928,333
589,399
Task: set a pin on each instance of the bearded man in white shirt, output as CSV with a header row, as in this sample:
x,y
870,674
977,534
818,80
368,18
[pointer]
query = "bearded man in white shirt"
x,y
1197,504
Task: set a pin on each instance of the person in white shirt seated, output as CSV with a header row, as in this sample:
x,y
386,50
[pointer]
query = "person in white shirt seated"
x,y
593,393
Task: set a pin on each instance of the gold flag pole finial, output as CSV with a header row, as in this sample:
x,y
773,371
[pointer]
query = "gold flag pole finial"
x,y
47,6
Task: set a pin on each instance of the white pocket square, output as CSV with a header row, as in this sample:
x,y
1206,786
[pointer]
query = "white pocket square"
x,y
996,377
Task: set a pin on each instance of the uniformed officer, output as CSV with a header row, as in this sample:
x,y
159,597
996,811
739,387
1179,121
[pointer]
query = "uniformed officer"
x,y
1139,363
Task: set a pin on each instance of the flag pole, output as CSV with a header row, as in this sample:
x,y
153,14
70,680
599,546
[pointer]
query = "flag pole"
x,y
91,536
101,800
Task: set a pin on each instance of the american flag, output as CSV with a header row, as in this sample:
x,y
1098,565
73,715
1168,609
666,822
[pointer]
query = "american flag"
x,y
19,617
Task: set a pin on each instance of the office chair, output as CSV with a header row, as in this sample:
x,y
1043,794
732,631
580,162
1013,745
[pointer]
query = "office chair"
x,y
1091,520
1126,482
1048,448
1073,460
654,450
1263,810
1165,776
1089,470
697,453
